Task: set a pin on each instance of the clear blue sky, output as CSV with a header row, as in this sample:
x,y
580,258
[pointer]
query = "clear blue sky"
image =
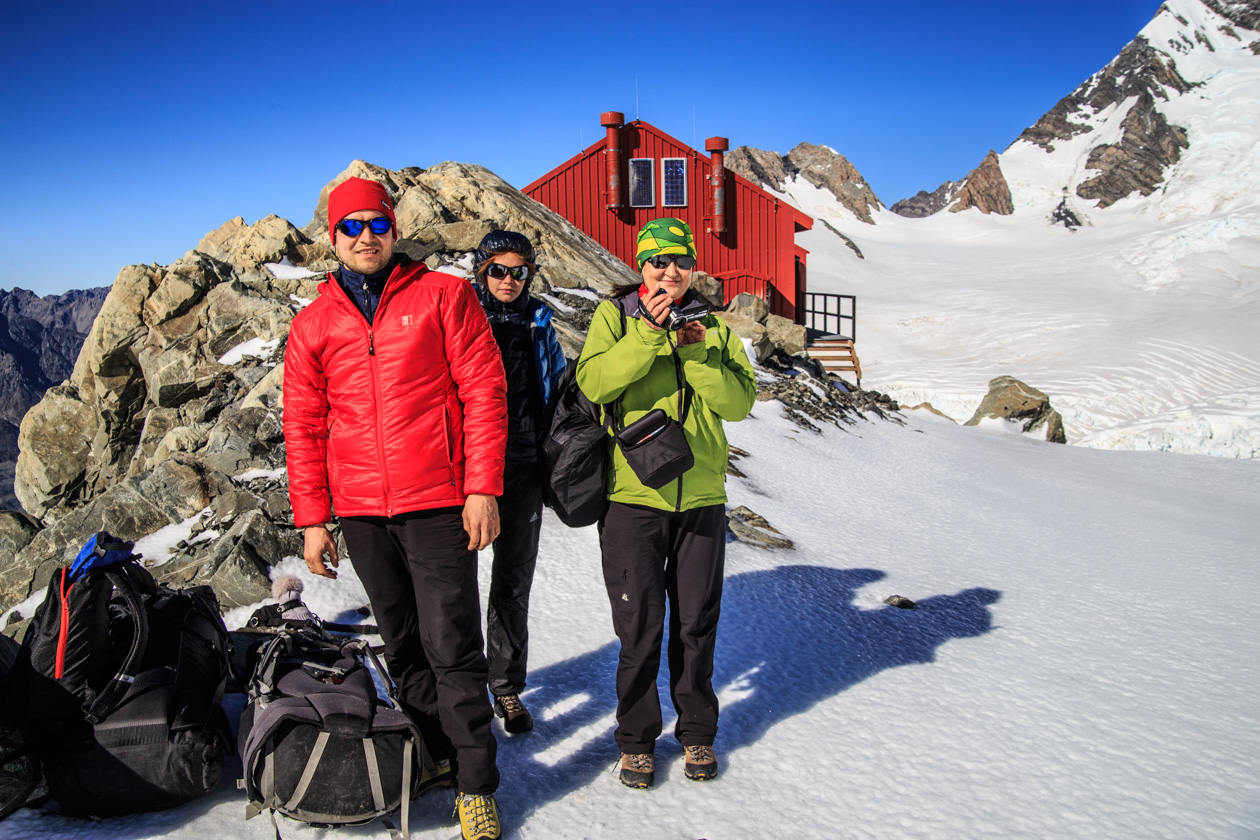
x,y
130,129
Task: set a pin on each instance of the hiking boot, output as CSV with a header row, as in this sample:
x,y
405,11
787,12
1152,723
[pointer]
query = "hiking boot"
x,y
516,718
700,763
638,770
439,776
478,816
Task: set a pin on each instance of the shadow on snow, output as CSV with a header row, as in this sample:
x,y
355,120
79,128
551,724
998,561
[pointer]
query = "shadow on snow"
x,y
788,639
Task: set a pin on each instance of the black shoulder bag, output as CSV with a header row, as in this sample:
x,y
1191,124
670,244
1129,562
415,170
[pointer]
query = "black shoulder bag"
x,y
655,445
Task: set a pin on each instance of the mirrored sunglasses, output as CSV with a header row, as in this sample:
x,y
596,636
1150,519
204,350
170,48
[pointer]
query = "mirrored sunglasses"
x,y
662,261
381,225
498,272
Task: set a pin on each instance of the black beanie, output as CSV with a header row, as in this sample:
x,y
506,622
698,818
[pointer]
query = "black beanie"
x,y
502,242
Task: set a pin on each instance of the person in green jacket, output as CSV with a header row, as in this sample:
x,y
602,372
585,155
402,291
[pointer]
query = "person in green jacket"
x,y
666,544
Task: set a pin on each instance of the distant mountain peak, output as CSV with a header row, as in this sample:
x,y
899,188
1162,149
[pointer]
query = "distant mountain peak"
x,y
985,189
1138,70
821,166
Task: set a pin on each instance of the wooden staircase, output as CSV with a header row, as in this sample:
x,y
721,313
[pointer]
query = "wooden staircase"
x,y
836,354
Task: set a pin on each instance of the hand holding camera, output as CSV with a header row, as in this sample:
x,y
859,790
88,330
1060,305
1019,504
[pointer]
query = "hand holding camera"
x,y
661,312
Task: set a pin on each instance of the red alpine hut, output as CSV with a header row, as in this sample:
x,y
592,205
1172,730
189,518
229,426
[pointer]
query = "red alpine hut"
x,y
744,236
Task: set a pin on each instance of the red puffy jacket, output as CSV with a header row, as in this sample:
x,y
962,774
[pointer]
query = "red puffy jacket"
x,y
408,413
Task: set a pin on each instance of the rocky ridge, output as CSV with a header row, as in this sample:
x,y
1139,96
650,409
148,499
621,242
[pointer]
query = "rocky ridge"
x,y
819,165
984,189
40,338
171,415
923,203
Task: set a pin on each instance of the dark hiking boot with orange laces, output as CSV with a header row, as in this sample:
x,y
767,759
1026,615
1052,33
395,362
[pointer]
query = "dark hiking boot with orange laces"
x,y
516,718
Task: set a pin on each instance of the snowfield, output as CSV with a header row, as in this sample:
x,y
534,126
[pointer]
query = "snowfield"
x,y
1083,661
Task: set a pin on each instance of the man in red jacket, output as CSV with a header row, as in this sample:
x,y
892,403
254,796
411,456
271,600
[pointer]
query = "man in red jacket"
x,y
395,417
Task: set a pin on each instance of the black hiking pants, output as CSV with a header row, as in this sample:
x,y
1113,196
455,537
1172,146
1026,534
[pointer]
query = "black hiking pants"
x,y
422,582
652,557
512,575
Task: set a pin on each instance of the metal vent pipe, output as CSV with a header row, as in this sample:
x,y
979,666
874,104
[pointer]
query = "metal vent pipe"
x,y
715,146
615,195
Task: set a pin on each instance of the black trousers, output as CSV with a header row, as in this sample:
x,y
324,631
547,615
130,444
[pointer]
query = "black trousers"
x,y
651,557
422,582
511,576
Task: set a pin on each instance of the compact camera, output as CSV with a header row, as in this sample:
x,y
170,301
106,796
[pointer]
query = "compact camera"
x,y
676,317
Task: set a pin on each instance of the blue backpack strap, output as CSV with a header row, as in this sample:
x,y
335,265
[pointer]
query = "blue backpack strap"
x,y
101,550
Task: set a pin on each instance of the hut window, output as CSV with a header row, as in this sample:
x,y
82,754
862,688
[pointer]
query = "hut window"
x,y
642,187
674,181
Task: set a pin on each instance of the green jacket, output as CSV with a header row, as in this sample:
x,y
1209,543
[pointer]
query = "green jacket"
x,y
639,368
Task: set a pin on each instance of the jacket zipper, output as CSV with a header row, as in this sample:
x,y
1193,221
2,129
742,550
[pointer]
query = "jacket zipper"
x,y
63,633
678,372
377,396
380,420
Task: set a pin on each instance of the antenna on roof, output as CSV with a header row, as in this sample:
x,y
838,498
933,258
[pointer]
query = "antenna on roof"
x,y
636,96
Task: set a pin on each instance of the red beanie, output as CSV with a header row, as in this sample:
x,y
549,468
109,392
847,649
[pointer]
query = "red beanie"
x,y
353,195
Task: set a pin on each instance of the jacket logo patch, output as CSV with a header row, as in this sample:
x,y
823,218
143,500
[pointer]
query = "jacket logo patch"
x,y
408,320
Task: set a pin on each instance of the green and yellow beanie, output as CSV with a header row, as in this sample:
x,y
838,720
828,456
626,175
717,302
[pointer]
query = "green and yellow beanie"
x,y
664,236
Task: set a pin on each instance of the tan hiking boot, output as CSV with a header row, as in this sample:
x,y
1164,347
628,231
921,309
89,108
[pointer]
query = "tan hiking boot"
x,y
638,770
700,763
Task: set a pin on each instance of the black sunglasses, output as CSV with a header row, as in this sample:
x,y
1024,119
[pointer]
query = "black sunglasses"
x,y
498,272
662,261
381,225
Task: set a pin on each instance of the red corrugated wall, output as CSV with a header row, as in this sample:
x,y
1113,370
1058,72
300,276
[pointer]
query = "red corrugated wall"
x,y
760,241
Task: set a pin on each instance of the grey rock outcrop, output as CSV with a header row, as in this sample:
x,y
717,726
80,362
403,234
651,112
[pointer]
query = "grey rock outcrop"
x,y
1138,69
1148,145
819,165
40,338
753,529
1011,399
923,204
985,189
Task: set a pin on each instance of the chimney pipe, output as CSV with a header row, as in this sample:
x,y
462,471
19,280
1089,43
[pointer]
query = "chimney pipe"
x,y
717,180
612,122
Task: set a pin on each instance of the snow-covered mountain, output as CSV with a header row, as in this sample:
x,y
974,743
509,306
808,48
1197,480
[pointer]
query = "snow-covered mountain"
x,y
1172,119
1123,276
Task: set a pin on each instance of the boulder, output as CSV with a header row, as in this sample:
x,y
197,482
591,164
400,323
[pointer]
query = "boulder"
x,y
1010,399
173,491
749,306
54,442
709,288
268,392
745,327
237,563
17,529
753,529
785,335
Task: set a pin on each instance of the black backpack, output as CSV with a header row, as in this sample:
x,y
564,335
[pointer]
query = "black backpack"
x,y
122,679
575,456
19,767
317,742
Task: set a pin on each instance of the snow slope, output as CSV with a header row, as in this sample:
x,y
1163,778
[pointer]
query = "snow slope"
x,y
1140,325
1084,660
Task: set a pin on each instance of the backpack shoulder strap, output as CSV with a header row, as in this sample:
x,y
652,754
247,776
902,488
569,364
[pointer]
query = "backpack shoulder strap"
x,y
98,708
